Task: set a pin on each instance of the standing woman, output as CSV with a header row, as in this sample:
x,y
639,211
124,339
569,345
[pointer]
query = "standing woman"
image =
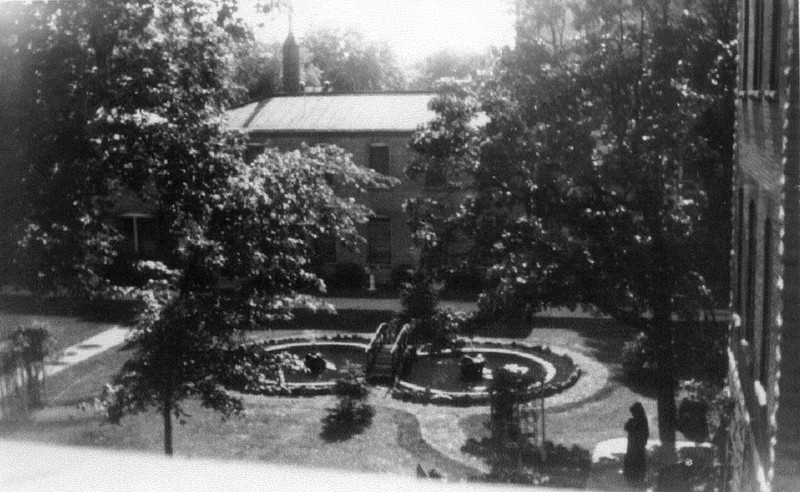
x,y
635,465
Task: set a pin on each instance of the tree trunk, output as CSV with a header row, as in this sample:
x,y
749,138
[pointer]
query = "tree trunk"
x,y
167,414
664,338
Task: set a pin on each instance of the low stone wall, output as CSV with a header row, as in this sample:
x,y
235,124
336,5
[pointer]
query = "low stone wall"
x,y
412,393
304,389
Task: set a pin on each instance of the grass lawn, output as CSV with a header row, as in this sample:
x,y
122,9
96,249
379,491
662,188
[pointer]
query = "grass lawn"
x,y
277,430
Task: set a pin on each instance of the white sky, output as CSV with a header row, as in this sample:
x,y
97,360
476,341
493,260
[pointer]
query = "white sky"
x,y
412,28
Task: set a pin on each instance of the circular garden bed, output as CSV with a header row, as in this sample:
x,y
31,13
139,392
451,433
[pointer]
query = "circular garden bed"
x,y
338,352
430,379
436,379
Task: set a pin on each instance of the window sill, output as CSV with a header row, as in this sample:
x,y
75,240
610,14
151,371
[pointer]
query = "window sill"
x,y
771,95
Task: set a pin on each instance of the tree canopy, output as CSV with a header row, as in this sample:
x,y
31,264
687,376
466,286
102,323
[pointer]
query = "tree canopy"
x,y
446,64
589,178
124,103
350,63
118,97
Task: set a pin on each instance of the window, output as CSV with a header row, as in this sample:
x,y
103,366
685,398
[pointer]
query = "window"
x,y
379,241
763,374
746,45
252,151
740,254
141,235
774,59
751,274
758,45
379,157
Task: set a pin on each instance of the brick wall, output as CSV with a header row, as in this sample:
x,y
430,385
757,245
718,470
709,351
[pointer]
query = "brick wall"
x,y
765,262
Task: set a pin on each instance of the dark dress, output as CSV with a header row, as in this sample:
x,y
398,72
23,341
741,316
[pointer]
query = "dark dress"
x,y
635,465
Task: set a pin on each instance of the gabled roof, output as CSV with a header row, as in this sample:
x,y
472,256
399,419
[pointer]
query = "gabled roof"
x,y
331,112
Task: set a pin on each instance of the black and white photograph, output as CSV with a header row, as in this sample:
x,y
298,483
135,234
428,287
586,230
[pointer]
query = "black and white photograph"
x,y
400,245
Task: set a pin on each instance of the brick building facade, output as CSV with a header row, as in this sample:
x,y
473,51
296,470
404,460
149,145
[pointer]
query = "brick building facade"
x,y
764,348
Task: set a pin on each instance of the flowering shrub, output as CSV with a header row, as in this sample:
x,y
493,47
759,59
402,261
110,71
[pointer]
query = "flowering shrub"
x,y
352,414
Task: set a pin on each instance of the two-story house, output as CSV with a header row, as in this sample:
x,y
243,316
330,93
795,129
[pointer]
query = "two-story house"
x,y
375,128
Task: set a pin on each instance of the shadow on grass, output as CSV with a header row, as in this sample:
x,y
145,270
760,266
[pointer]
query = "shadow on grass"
x,y
586,325
348,418
107,311
345,320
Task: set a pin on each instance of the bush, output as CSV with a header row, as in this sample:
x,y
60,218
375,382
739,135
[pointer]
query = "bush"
x,y
699,354
440,330
419,298
348,276
31,344
692,420
352,388
558,466
400,275
464,280
351,415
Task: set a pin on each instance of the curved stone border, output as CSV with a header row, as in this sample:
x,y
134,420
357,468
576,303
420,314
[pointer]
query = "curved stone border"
x,y
305,389
412,393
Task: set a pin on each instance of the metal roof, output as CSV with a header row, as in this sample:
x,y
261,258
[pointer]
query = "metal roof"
x,y
330,112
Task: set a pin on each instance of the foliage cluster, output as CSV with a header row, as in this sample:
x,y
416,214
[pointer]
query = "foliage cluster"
x,y
446,64
347,275
352,414
32,342
554,465
30,345
349,63
591,169
700,353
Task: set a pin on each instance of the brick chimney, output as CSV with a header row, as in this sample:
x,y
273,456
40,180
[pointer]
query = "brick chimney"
x,y
291,65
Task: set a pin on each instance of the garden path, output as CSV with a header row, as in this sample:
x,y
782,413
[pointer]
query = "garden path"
x,y
88,348
440,425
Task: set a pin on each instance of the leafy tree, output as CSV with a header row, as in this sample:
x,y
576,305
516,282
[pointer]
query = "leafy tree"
x,y
351,64
257,69
179,350
241,270
126,100
120,98
544,21
446,64
585,186
12,18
